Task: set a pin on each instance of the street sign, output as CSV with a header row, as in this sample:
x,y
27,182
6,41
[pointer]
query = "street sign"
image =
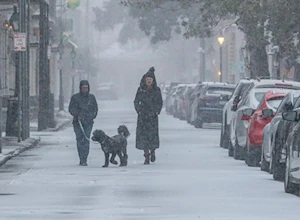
x,y
20,41
80,71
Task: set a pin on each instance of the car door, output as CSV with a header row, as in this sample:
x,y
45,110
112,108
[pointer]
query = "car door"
x,y
238,93
236,116
241,126
275,122
195,103
295,154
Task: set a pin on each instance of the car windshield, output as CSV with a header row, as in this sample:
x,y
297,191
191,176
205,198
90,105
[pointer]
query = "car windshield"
x,y
260,92
219,91
274,103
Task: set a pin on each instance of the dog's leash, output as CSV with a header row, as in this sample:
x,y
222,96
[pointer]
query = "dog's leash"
x,y
82,129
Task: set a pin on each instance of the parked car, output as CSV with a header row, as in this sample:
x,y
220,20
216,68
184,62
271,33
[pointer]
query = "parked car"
x,y
165,90
107,91
241,87
192,97
208,106
240,121
292,161
177,96
184,100
259,118
169,97
274,155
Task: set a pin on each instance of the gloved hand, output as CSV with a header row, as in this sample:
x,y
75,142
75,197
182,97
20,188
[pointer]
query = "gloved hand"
x,y
80,118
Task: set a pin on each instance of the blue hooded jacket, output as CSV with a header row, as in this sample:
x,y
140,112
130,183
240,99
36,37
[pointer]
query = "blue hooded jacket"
x,y
83,105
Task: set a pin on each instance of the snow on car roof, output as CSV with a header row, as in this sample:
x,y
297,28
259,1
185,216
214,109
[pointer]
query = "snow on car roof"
x,y
191,85
276,83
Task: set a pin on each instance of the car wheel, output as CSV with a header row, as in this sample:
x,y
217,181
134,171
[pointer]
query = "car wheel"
x,y
252,160
198,123
265,165
188,118
278,170
230,149
289,187
239,152
222,137
226,139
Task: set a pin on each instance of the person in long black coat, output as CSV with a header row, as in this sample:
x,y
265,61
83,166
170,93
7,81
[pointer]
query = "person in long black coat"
x,y
148,104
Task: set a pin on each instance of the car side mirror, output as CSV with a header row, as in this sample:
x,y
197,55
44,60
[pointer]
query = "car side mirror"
x,y
236,99
268,113
290,116
224,98
234,107
288,106
248,112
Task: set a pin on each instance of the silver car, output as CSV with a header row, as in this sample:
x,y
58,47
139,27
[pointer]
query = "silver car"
x,y
240,120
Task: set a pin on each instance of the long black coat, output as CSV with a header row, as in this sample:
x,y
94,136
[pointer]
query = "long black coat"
x,y
148,104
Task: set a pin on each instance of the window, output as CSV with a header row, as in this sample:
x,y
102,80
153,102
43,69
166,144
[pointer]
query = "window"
x,y
281,106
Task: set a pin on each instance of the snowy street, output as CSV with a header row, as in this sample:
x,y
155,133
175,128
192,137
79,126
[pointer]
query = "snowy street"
x,y
193,178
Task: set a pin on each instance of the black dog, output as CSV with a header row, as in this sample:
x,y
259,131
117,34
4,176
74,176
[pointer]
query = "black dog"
x,y
116,145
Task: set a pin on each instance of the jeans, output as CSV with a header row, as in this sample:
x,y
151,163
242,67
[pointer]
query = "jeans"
x,y
83,145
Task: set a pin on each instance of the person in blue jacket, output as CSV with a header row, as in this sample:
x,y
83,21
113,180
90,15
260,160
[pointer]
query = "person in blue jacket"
x,y
84,108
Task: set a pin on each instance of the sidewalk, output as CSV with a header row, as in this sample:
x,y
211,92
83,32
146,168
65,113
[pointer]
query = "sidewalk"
x,y
12,148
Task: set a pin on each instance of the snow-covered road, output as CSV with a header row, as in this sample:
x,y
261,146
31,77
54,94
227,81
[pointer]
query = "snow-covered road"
x,y
192,179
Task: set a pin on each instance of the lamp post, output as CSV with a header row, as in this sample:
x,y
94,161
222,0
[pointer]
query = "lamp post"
x,y
221,40
73,57
61,92
13,122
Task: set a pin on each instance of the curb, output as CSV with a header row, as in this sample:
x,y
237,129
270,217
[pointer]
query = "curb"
x,y
18,151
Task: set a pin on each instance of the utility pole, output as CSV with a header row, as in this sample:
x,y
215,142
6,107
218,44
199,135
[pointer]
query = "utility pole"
x,y
88,37
203,69
44,73
61,51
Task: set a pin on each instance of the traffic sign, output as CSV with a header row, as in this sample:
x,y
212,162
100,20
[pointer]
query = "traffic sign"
x,y
20,41
80,71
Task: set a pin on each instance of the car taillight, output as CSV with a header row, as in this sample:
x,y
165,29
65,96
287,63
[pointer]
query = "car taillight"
x,y
282,84
206,100
246,118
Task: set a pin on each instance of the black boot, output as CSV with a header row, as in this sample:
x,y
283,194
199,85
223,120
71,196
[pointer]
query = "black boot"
x,y
152,157
147,159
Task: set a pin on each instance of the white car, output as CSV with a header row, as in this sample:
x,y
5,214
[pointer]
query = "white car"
x,y
175,97
239,123
241,87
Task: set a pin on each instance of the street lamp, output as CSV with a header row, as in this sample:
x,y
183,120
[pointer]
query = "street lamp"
x,y
14,19
13,124
61,92
221,40
73,57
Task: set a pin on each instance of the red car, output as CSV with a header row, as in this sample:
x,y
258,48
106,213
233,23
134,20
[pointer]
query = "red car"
x,y
259,119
